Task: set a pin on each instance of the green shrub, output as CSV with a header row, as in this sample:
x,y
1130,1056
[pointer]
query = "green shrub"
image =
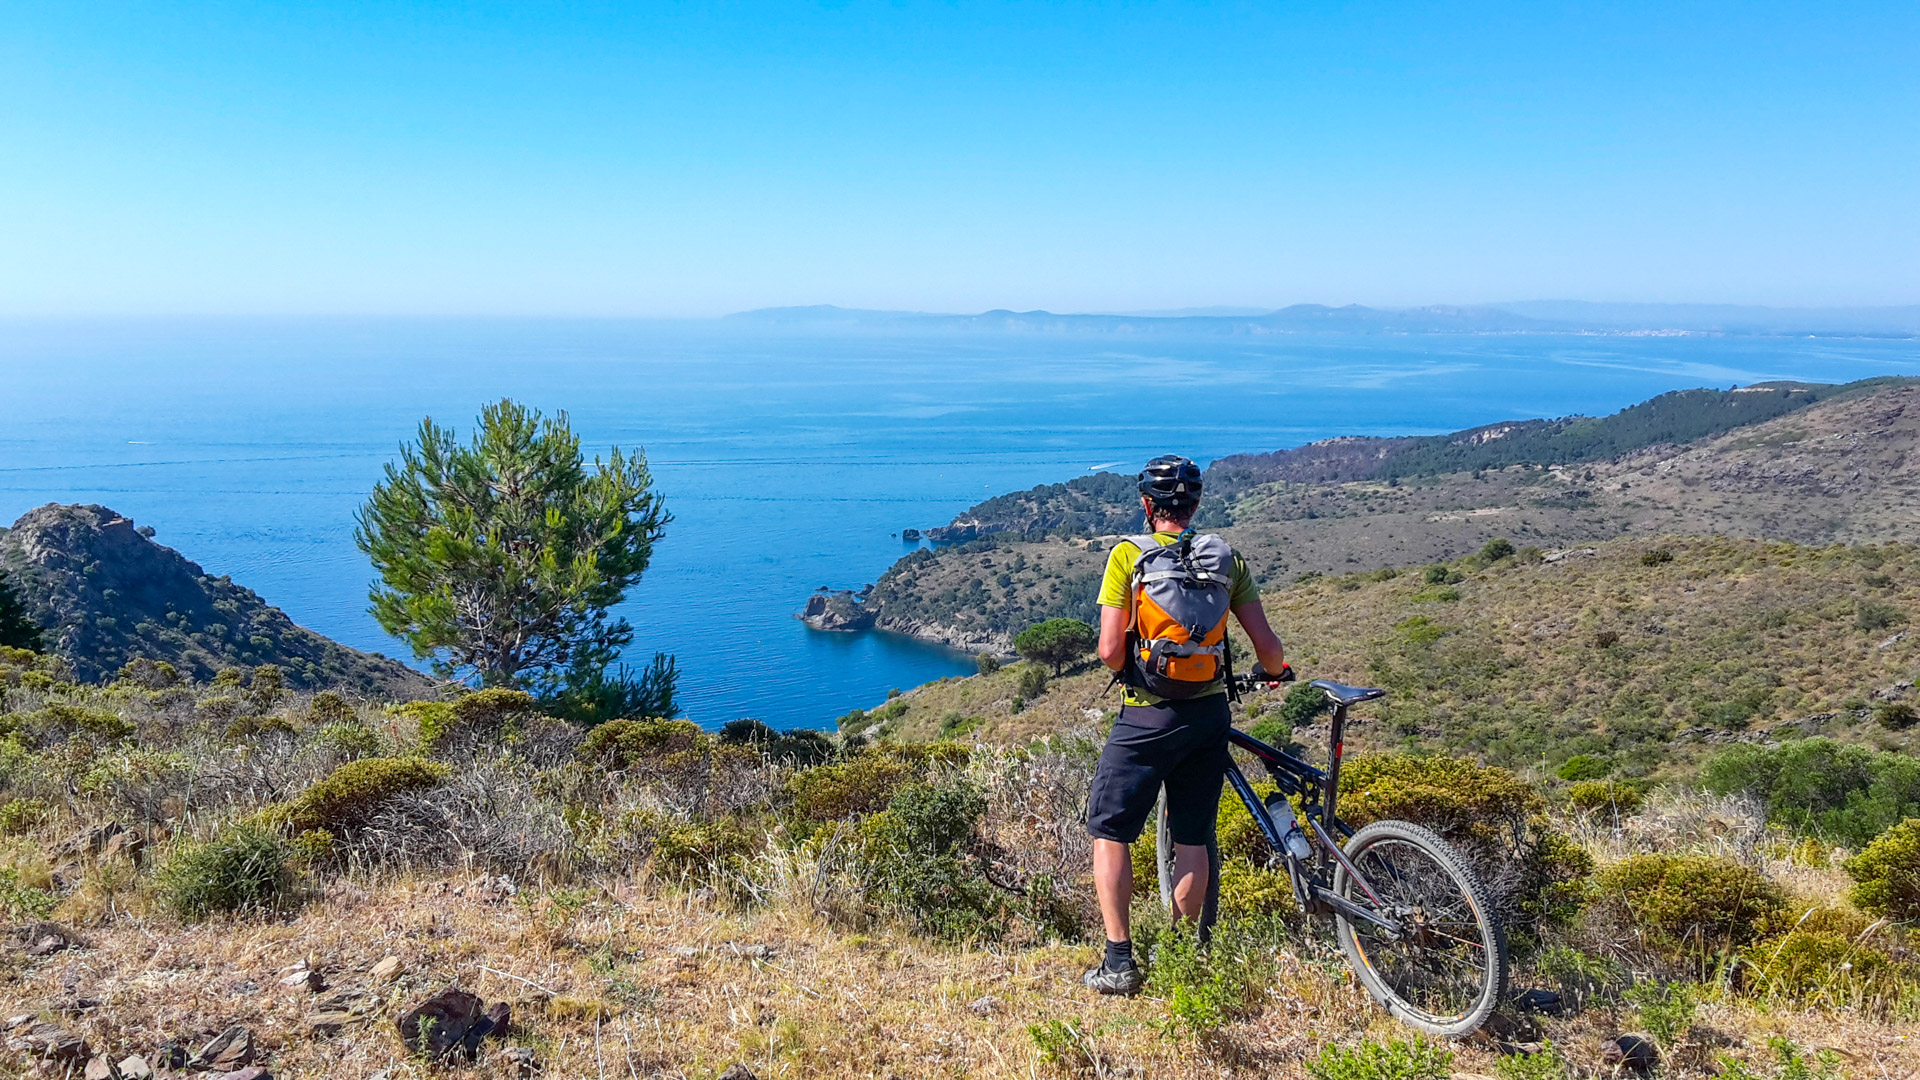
x,y
19,815
1548,1063
1496,549
1691,904
1846,794
21,903
353,739
1656,557
1584,767
1496,819
1063,1046
1272,729
1439,574
621,744
349,796
697,851
1895,715
860,785
987,662
254,726
801,747
489,715
1031,681
1666,1011
1205,986
1816,965
1887,874
243,869
328,707
1438,594
1394,1060
1605,796
915,864
1872,615
1302,704
60,720
954,725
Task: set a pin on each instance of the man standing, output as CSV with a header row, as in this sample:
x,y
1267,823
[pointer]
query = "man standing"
x,y
1164,629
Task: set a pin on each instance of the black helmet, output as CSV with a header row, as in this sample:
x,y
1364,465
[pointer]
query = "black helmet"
x,y
1172,482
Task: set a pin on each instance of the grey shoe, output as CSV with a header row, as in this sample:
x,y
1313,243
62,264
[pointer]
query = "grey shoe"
x,y
1106,980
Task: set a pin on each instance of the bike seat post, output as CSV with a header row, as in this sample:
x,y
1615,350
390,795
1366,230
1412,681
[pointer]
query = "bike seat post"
x,y
1336,749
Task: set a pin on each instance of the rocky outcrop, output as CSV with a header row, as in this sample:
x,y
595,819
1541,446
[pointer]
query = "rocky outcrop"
x,y
838,610
106,594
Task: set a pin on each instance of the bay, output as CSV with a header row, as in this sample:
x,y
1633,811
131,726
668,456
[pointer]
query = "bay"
x,y
789,462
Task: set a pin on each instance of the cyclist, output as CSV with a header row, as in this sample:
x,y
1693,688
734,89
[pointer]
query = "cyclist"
x,y
1181,743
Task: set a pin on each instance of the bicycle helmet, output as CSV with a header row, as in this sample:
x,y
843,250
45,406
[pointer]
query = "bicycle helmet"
x,y
1172,482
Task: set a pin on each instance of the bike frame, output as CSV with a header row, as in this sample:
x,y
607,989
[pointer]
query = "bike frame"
x,y
1319,792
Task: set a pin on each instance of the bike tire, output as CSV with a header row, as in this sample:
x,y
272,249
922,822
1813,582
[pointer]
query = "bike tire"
x,y
1163,856
1403,862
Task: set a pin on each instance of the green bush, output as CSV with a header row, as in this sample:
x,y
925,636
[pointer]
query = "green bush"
x,y
1696,905
349,796
1611,797
490,714
621,744
1887,874
353,739
1032,681
1538,875
1846,794
860,785
21,903
1790,1064
1205,986
1584,767
801,747
1548,1063
915,863
243,869
1666,1011
1272,729
1816,965
19,815
1496,549
328,707
1656,557
1872,615
1395,1060
1895,715
1302,704
987,662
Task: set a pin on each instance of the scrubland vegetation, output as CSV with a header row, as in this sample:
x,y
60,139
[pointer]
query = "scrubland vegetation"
x,y
1665,757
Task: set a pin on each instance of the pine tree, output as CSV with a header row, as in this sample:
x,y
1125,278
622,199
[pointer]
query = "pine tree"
x,y
16,629
499,559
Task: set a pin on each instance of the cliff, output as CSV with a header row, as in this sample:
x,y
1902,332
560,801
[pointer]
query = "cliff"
x,y
106,593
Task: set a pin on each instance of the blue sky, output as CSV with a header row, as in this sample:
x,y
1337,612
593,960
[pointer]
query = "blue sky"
x,y
690,160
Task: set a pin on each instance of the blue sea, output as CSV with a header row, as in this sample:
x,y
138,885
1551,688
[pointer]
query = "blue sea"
x,y
788,462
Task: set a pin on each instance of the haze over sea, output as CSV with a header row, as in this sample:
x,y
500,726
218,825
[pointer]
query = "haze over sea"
x,y
788,462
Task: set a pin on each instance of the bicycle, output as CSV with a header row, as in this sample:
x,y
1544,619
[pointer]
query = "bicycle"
x,y
1412,917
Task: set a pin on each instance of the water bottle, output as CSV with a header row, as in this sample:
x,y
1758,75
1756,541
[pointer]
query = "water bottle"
x,y
1291,836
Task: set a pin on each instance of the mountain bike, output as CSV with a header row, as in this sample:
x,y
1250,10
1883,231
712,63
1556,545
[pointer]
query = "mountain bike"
x,y
1412,917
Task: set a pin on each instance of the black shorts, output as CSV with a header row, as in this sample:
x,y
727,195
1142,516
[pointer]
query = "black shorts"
x,y
1182,744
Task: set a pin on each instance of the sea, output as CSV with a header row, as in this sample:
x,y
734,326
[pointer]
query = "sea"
x,y
789,462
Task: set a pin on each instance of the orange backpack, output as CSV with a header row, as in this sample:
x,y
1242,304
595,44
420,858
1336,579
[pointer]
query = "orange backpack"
x,y
1177,618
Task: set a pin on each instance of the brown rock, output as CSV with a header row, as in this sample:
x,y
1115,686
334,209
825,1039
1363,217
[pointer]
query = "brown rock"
x,y
100,1067
738,1072
230,1050
1631,1053
88,841
450,1022
135,1067
44,938
51,1042
255,1072
127,842
386,970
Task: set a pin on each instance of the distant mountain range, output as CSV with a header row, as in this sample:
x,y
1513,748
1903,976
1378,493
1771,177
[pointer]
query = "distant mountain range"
x,y
1532,316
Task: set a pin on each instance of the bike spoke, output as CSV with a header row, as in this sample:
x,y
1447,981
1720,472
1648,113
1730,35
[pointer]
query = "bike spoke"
x,y
1438,964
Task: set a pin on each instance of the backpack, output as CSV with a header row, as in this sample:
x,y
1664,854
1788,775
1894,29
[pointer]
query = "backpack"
x,y
1177,615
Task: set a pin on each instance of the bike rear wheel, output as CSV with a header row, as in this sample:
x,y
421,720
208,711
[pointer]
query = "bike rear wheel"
x,y
1163,854
1446,971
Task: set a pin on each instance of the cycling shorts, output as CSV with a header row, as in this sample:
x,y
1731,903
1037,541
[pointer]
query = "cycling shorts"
x,y
1179,744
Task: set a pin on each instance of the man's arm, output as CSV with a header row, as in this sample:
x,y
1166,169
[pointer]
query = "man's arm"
x,y
1113,636
1253,619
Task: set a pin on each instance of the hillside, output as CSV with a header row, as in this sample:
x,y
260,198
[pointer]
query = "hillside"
x,y
106,594
273,880
1647,651
1841,470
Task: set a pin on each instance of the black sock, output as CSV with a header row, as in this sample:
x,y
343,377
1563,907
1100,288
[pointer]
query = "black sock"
x,y
1120,955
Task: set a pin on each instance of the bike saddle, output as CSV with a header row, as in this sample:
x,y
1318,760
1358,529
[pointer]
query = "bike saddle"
x,y
1342,694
